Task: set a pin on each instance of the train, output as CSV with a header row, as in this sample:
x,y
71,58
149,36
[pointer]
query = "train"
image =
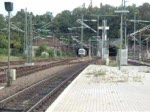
x,y
82,52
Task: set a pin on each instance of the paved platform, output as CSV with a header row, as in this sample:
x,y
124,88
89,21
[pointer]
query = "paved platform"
x,y
92,91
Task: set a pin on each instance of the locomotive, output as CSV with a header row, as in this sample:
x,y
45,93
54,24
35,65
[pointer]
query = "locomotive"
x,y
82,52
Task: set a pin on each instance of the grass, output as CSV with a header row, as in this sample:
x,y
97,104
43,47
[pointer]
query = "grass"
x,y
113,63
100,73
147,71
97,74
12,58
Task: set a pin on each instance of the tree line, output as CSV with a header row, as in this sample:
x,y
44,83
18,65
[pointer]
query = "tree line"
x,y
59,24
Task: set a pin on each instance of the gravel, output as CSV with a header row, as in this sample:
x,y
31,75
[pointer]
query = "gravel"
x,y
28,80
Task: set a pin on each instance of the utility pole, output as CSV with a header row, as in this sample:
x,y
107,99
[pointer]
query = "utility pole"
x,y
125,28
147,46
121,36
25,34
105,36
98,39
140,52
91,4
104,29
89,48
134,31
29,43
121,33
30,40
82,17
125,34
24,41
99,49
54,46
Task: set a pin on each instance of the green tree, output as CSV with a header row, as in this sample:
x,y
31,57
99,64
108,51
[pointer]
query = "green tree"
x,y
42,48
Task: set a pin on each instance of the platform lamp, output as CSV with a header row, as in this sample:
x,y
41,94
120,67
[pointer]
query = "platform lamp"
x,y
8,8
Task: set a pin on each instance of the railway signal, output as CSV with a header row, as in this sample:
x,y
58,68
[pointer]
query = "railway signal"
x,y
8,8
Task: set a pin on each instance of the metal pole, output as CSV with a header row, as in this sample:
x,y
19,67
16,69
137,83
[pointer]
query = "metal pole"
x,y
125,28
122,3
125,34
105,35
147,45
25,29
103,41
24,42
26,35
54,46
82,32
8,72
89,48
31,36
134,31
140,53
121,36
68,40
98,40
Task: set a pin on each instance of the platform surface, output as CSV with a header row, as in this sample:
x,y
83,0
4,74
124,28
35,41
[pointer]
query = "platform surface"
x,y
93,93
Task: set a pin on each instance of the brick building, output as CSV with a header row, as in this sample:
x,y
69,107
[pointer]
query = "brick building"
x,y
53,42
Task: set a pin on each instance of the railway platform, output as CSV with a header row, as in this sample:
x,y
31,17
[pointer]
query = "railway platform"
x,y
106,89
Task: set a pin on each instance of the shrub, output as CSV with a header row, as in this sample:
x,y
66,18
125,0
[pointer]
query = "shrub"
x,y
3,51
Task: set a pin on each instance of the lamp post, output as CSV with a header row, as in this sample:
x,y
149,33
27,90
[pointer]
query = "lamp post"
x,y
9,8
121,33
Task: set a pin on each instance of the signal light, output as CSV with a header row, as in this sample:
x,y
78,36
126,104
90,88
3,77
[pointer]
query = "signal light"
x,y
8,6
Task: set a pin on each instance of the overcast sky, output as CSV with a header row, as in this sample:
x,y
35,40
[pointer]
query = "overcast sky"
x,y
56,6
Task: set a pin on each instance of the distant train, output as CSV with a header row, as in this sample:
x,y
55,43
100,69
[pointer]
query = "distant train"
x,y
82,52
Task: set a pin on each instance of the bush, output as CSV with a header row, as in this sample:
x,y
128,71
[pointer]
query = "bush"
x,y
38,52
45,54
42,48
51,52
3,51
113,63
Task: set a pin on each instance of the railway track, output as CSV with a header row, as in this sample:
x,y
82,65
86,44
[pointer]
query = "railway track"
x,y
26,70
135,62
139,63
39,96
21,62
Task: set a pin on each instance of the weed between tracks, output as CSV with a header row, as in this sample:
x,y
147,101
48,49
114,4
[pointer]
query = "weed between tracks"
x,y
112,74
12,58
